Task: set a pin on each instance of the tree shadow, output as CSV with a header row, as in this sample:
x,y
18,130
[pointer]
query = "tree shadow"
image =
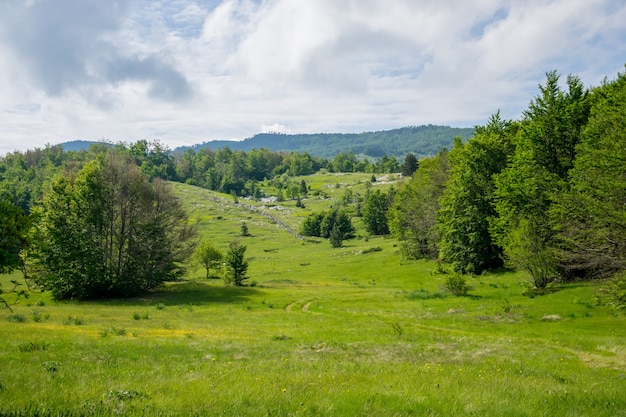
x,y
188,292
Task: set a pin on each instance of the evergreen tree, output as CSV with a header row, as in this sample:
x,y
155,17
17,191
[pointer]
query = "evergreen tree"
x,y
590,215
544,154
236,263
410,165
375,213
467,202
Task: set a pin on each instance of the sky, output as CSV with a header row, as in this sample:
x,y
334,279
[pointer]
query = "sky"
x,y
189,71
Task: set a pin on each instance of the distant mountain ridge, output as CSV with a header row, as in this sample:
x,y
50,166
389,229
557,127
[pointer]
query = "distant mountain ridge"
x,y
425,140
81,145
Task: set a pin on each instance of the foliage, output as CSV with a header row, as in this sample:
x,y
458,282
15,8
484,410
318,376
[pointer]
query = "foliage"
x,y
375,213
456,284
19,294
334,224
236,263
335,237
208,256
412,217
23,176
590,215
526,250
467,203
108,232
14,230
616,291
410,165
544,154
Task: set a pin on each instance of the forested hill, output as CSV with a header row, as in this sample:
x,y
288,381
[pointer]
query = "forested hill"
x,y
422,141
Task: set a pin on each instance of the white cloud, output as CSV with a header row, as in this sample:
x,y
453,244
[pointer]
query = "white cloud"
x,y
187,71
275,128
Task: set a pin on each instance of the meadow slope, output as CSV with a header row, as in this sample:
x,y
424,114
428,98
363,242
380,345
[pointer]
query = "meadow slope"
x,y
354,331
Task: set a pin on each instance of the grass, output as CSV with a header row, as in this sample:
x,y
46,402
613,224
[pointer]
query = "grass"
x,y
335,332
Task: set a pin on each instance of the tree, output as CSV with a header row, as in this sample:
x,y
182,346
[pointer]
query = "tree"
x,y
375,213
336,237
334,224
14,229
311,225
410,165
467,203
236,263
340,220
208,256
412,217
545,149
590,215
108,232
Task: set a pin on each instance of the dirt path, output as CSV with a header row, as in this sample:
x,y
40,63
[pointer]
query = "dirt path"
x,y
304,308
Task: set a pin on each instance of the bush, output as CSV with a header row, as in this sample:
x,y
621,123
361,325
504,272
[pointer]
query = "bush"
x,y
617,292
17,318
456,284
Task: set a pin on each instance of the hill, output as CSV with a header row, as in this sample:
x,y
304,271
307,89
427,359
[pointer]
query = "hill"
x,y
422,141
350,331
80,145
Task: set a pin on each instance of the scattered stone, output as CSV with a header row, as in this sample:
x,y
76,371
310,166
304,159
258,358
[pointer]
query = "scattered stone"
x,y
551,317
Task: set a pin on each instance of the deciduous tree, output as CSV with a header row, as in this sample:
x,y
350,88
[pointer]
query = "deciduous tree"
x,y
108,232
208,257
412,217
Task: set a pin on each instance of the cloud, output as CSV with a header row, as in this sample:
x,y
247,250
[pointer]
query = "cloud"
x,y
24,108
275,128
66,45
187,71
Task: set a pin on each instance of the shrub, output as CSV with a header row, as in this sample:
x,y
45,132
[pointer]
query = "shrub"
x,y
77,321
51,366
617,292
456,284
17,318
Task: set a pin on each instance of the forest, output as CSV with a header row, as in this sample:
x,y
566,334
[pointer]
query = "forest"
x,y
425,140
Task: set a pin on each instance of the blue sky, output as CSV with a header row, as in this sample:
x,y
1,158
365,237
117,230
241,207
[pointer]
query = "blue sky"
x,y
185,71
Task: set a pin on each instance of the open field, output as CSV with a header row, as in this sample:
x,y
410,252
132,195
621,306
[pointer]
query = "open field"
x,y
355,331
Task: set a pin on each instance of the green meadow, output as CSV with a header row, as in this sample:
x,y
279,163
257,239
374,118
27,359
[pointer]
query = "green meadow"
x,y
353,331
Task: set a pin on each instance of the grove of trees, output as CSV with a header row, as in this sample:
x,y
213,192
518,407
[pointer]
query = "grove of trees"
x,y
545,194
107,231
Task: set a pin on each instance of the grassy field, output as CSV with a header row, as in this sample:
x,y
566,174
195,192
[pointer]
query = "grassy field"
x,y
355,331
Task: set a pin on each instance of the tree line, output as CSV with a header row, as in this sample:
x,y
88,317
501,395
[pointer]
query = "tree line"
x,y
423,141
545,194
